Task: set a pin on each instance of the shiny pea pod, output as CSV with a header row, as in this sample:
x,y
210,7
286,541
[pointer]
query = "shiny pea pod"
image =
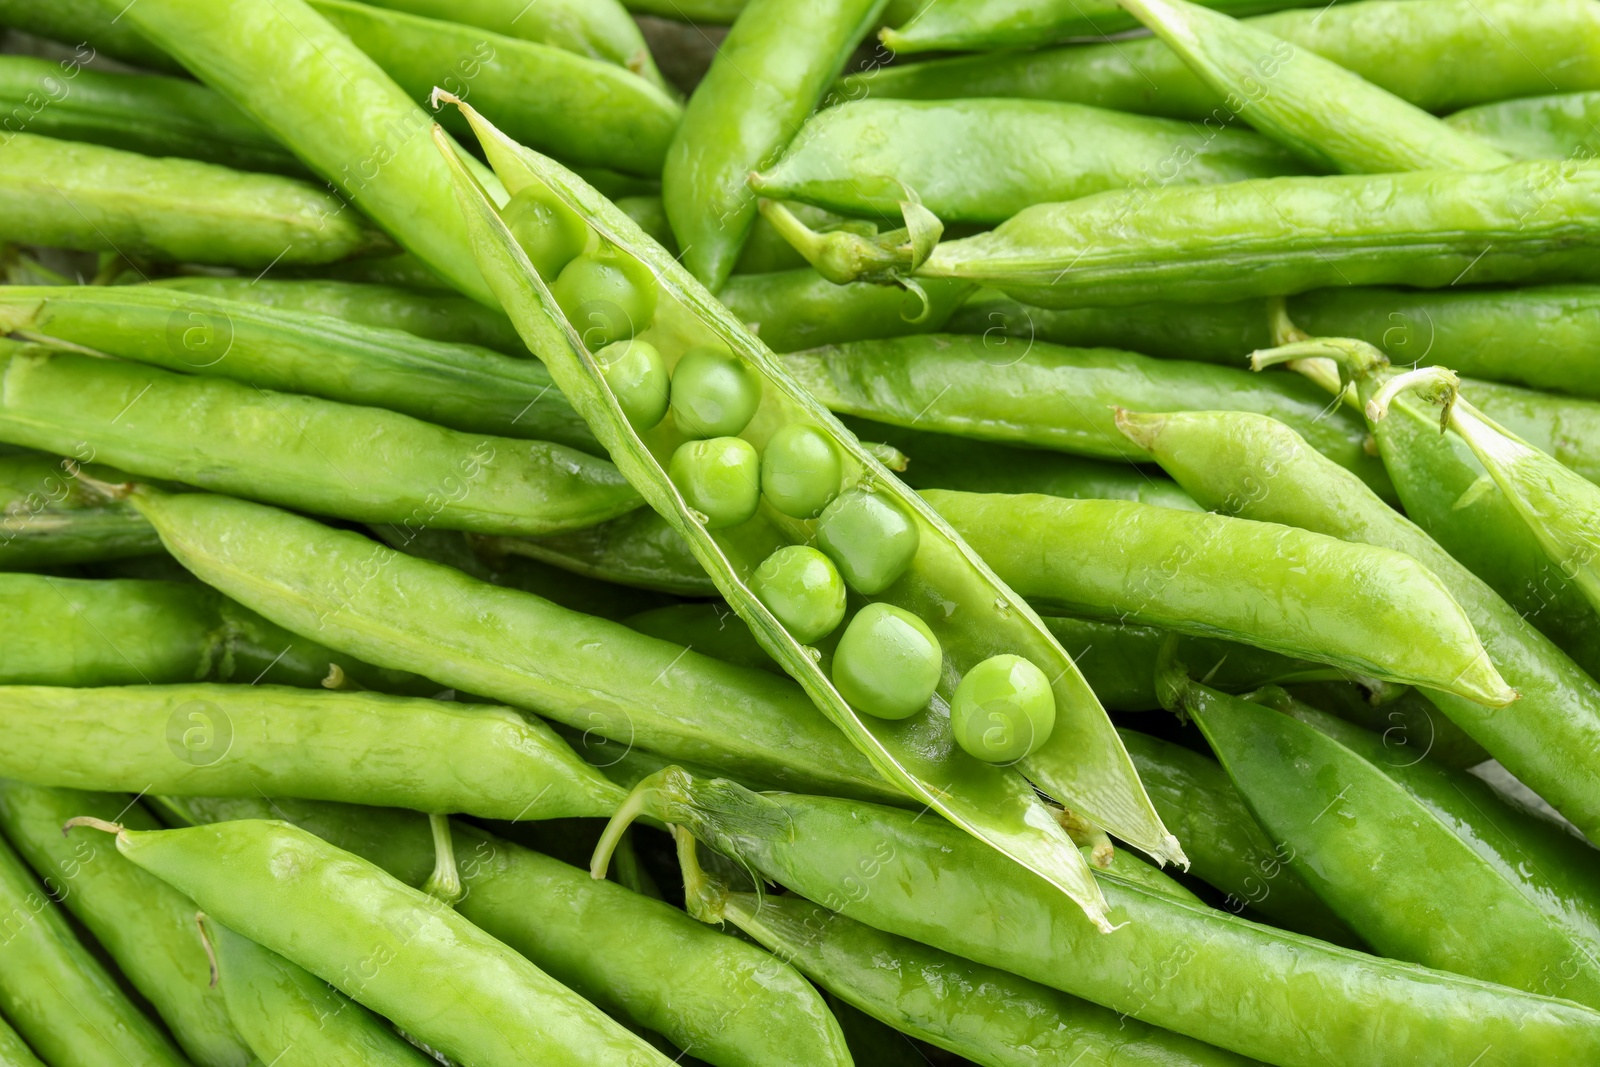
x,y
1409,723
454,385
641,549
202,739
1424,863
985,160
327,910
84,23
794,309
58,996
1558,126
145,926
14,1052
925,880
1095,778
48,517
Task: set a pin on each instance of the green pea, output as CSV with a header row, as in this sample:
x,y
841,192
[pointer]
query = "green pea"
x,y
887,663
869,539
549,231
1003,709
800,471
713,393
607,295
637,377
720,478
800,586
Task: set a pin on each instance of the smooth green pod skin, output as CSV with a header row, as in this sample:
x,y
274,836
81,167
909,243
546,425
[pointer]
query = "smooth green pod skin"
x,y
1440,55
453,385
1361,607
436,316
145,113
14,1052
709,627
95,199
990,1017
202,739
48,518
794,309
145,926
293,1018
768,75
588,673
314,91
95,632
1326,115
1408,724
1427,873
328,911
925,880
304,452
641,550
1246,465
1043,396
591,112
58,996
1559,126
638,958
986,160
1229,848
1081,765
85,21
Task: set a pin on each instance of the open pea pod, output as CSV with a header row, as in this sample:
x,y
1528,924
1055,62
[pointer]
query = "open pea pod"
x,y
958,601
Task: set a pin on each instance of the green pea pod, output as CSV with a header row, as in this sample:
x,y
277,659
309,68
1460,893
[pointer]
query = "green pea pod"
x,y
1366,609
383,944
316,455
146,927
711,627
591,674
313,90
1043,396
794,309
14,1052
202,739
1251,466
925,880
986,160
96,199
1082,764
58,996
1325,114
1440,55
641,549
434,316
84,25
453,385
48,517
1229,847
1409,723
1559,126
767,76
1424,863
144,113
719,12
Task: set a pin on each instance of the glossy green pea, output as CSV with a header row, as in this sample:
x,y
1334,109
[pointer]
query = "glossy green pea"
x,y
1003,709
720,478
549,232
869,539
607,295
800,586
800,471
888,662
713,393
637,376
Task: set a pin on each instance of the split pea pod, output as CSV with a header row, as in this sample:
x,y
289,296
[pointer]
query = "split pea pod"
x,y
1251,466
304,452
925,880
697,472
1559,126
48,517
454,385
383,944
203,739
58,996
143,923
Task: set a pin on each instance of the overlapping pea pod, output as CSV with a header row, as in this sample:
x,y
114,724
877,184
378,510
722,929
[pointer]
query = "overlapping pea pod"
x,y
1558,126
728,1002
1081,763
14,1052
49,516
383,944
1301,1000
1252,466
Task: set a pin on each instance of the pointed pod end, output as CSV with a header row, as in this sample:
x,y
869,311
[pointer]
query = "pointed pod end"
x,y
440,96
1142,428
93,823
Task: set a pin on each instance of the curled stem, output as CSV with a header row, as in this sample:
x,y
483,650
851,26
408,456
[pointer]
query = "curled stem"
x,y
843,256
637,803
1436,385
445,881
90,821
704,894
1283,329
205,943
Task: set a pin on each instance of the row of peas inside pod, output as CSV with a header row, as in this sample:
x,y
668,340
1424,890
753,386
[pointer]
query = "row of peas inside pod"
x,y
845,537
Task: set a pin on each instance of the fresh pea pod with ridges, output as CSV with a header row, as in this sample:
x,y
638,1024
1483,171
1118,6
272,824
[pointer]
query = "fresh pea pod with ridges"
x,y
145,925
49,517
304,452
1559,126
1082,764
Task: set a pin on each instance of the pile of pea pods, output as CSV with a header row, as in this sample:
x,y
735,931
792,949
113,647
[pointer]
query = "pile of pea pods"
x,y
799,533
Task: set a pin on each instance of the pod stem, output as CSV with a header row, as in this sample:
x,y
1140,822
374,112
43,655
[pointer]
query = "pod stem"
x,y
1086,834
445,881
639,802
205,943
1435,385
843,256
704,894
92,822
